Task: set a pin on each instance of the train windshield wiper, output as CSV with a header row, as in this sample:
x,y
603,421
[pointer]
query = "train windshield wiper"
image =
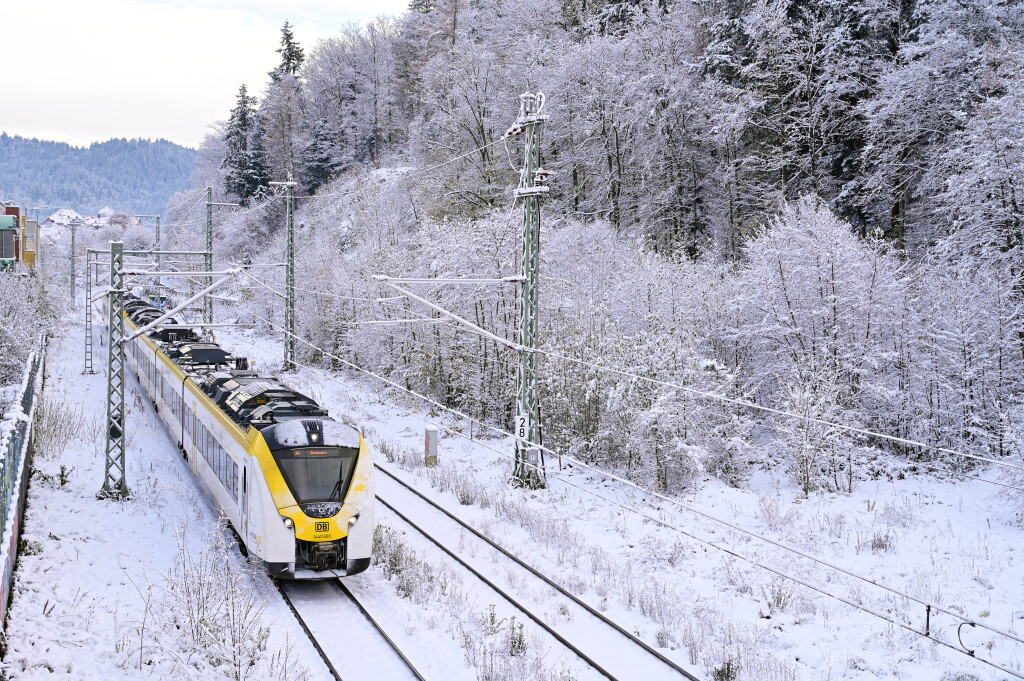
x,y
337,485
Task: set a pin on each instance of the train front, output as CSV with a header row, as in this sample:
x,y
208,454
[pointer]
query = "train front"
x,y
323,491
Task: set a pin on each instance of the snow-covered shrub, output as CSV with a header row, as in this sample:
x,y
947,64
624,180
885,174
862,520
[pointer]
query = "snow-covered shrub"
x,y
679,438
205,619
773,515
57,425
416,579
21,305
406,457
138,238
460,482
959,676
501,649
1015,476
818,451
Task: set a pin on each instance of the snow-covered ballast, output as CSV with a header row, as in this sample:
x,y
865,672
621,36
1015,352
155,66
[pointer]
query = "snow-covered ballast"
x,y
296,485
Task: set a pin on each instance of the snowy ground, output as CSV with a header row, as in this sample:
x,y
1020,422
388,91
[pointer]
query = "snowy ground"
x,y
954,545
90,567
93,584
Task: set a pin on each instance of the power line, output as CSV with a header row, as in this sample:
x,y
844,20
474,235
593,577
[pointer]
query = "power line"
x,y
181,220
434,320
306,290
423,348
930,607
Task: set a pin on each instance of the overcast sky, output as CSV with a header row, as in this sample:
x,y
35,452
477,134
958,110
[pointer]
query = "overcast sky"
x,y
83,71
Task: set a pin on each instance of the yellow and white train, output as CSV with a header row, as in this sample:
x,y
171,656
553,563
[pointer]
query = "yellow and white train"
x,y
296,485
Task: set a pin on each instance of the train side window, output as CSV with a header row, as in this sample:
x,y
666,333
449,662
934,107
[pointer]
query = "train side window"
x,y
234,479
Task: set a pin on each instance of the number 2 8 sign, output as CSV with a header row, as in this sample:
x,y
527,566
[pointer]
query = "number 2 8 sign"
x,y
522,426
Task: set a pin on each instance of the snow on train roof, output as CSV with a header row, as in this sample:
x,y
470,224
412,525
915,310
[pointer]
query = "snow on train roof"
x,y
295,434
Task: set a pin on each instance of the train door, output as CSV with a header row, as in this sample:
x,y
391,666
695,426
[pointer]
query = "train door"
x,y
245,505
195,440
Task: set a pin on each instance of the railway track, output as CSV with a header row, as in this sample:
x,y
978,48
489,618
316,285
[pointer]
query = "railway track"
x,y
349,639
599,641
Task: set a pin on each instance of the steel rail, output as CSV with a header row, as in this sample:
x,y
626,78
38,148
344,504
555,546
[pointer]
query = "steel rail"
x,y
501,592
380,630
529,568
312,638
369,618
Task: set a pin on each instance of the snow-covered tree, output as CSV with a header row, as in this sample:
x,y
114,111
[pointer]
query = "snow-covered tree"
x,y
281,110
319,163
246,162
292,55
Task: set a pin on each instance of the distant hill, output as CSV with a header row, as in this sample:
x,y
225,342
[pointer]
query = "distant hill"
x,y
134,176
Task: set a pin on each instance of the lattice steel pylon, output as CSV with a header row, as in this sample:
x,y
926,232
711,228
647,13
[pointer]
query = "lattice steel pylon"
x,y
88,313
74,230
526,472
289,274
289,288
207,300
115,484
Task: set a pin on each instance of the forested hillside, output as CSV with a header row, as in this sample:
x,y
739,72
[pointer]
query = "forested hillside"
x,y
134,176
809,206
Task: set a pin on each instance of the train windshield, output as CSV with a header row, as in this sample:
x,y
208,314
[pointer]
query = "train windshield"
x,y
317,473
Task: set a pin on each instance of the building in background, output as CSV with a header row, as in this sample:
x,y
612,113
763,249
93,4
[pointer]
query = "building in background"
x,y
19,238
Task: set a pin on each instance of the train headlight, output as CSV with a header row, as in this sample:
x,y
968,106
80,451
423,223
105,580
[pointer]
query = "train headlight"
x,y
353,520
288,523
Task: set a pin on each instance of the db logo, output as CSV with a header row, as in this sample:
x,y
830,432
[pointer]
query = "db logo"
x,y
323,527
